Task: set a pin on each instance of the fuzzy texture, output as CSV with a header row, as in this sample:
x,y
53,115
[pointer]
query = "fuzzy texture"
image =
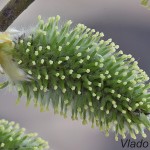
x,y
76,69
6,46
12,137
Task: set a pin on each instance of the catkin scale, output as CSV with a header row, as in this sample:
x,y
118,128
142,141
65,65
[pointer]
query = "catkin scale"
x,y
6,60
75,68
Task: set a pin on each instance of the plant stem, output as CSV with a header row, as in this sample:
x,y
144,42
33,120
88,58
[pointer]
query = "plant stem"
x,y
11,11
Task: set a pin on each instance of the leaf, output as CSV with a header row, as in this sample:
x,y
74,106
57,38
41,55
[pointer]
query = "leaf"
x,y
3,85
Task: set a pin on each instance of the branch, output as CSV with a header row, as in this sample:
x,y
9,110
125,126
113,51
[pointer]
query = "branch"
x,y
11,11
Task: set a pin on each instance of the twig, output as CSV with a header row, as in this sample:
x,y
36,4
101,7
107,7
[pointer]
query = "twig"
x,y
11,11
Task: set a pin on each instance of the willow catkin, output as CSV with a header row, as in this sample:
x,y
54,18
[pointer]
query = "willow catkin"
x,y
13,137
77,69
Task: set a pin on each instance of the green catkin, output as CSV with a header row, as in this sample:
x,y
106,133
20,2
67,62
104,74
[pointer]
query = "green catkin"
x,y
13,137
77,69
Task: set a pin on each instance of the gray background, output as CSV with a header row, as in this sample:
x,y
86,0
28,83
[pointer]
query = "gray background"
x,y
125,21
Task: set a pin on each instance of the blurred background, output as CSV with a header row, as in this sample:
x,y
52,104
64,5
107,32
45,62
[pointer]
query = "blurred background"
x,y
126,22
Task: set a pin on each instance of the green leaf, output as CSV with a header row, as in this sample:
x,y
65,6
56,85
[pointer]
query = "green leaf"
x,y
3,85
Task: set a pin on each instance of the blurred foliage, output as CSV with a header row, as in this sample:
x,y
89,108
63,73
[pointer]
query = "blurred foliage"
x,y
145,3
